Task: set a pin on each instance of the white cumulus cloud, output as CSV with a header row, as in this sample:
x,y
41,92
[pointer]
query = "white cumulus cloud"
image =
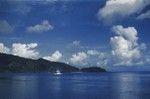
x,y
56,56
78,57
129,33
42,27
4,49
125,47
25,50
97,58
115,9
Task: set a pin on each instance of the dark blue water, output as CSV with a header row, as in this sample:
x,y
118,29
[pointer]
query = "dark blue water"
x,y
75,86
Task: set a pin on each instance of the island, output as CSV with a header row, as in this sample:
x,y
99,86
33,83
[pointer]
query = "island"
x,y
93,69
11,63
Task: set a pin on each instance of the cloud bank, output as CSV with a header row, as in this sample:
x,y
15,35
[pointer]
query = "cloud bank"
x,y
89,58
22,50
25,50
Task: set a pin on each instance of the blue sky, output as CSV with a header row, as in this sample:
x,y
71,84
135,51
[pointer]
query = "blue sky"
x,y
65,30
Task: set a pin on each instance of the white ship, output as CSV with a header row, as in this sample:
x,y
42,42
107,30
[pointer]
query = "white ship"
x,y
57,72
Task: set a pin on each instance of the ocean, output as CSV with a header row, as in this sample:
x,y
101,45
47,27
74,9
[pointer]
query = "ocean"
x,y
108,85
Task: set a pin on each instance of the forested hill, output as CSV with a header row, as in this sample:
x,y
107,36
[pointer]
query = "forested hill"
x,y
19,64
11,63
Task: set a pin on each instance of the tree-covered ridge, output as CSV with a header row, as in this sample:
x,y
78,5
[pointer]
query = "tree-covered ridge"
x,y
11,63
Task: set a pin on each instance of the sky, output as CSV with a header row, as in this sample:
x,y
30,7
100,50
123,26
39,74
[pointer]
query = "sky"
x,y
82,33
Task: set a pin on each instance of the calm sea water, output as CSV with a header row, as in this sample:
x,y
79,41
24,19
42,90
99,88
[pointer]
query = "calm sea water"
x,y
75,86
